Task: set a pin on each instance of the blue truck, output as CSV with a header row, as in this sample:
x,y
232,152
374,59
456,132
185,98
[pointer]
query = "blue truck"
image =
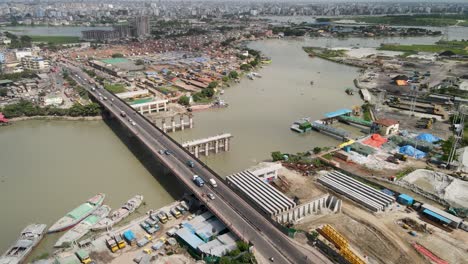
x,y
198,181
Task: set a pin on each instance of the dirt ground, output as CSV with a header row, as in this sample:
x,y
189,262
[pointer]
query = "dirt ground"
x,y
302,187
382,240
377,236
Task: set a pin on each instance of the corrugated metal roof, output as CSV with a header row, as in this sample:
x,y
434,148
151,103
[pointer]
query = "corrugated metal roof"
x,y
80,211
191,239
442,213
441,218
338,113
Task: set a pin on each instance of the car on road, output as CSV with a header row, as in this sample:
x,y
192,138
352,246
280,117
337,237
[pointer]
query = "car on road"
x,y
190,163
213,183
211,196
105,98
161,151
198,181
167,152
112,99
133,123
122,113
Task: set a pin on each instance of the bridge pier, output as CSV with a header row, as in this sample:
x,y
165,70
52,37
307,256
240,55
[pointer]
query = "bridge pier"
x,y
150,107
174,126
206,145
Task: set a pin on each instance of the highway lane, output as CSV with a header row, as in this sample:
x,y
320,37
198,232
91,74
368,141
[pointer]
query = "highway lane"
x,y
237,214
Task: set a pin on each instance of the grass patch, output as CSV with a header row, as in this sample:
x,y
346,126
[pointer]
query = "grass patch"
x,y
457,47
404,172
436,20
55,39
115,88
324,53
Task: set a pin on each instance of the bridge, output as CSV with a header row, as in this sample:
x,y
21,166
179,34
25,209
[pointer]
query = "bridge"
x,y
238,215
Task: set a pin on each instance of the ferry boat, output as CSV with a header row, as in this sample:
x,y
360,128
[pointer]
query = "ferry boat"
x,y
78,214
115,217
302,125
250,76
29,238
83,227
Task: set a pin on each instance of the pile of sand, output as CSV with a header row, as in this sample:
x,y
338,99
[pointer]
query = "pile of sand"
x,y
453,190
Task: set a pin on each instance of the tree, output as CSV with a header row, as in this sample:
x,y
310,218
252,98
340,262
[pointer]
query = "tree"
x,y
208,92
317,150
139,62
276,155
242,246
117,55
3,91
246,257
213,84
225,260
225,78
233,75
245,67
234,252
184,100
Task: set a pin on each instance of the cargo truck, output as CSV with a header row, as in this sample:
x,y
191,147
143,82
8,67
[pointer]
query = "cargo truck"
x,y
112,245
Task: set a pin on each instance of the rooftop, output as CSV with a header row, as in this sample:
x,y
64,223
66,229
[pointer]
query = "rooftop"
x,y
386,122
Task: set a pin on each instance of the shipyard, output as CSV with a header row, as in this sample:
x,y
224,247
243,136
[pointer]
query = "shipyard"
x,y
144,132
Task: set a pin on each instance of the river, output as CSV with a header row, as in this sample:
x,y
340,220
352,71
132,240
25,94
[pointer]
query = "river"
x,y
49,167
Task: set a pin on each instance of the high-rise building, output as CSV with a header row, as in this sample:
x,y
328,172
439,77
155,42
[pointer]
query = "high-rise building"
x,y
141,27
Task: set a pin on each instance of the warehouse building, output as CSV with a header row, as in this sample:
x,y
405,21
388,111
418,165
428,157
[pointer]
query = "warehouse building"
x,y
440,216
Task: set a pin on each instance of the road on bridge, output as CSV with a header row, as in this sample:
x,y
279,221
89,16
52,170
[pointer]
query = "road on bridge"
x,y
240,217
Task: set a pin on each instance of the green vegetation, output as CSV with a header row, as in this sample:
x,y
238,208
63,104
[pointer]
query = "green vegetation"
x,y
114,88
317,150
17,76
212,85
18,42
288,31
404,172
3,91
26,108
457,47
240,255
117,55
276,155
324,53
435,20
79,89
233,75
184,100
366,108
55,40
246,67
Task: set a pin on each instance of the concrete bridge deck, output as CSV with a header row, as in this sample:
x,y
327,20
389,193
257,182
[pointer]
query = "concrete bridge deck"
x,y
240,217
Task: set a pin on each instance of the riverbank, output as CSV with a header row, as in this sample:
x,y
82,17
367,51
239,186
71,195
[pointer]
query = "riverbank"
x,y
67,118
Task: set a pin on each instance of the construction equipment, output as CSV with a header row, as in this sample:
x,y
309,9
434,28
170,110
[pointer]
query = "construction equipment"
x,y
341,243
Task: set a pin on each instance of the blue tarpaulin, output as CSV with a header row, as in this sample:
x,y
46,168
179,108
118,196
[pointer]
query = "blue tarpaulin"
x,y
128,235
428,137
412,152
338,113
438,216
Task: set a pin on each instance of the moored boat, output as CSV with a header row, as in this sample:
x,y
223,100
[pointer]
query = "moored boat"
x,y
29,238
129,207
83,227
78,214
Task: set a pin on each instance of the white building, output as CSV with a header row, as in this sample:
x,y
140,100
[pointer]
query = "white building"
x,y
34,63
53,100
22,53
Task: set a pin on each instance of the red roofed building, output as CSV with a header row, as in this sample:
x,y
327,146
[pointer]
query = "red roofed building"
x,y
387,126
3,119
